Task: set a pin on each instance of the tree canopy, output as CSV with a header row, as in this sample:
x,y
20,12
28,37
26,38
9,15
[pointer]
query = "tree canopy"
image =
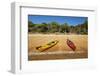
x,y
55,27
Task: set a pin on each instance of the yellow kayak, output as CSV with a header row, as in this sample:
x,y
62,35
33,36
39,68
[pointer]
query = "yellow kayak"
x,y
47,46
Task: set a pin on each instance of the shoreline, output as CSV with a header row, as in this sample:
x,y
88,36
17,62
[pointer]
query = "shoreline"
x,y
56,35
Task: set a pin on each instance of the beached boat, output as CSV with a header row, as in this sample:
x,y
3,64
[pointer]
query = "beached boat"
x,y
47,46
71,44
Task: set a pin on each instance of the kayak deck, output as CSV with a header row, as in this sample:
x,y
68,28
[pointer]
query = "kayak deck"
x,y
47,46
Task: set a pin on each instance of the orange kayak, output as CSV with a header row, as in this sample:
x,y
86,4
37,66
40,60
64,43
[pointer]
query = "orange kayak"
x,y
71,44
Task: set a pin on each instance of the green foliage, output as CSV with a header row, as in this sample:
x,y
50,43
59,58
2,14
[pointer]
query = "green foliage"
x,y
55,27
30,24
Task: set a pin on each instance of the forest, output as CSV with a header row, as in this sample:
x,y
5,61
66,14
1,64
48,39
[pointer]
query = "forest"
x,y
57,28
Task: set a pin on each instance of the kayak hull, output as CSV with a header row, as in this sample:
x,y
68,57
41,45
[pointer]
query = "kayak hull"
x,y
71,44
47,46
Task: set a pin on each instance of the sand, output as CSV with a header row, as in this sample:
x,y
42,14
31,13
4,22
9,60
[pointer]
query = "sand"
x,y
61,50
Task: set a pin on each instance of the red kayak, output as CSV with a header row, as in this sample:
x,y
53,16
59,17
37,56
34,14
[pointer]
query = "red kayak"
x,y
71,44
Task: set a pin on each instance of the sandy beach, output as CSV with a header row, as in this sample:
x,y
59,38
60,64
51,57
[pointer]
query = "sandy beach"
x,y
61,50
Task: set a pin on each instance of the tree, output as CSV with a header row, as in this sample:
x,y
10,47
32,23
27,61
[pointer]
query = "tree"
x,y
30,24
65,28
54,27
44,27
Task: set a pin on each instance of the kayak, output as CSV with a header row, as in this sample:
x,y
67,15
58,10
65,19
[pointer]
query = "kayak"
x,y
47,46
71,44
